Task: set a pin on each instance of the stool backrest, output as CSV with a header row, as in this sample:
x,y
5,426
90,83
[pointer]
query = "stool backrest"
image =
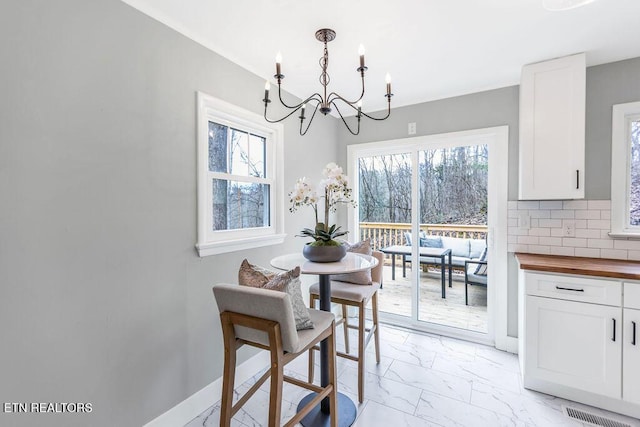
x,y
261,303
376,272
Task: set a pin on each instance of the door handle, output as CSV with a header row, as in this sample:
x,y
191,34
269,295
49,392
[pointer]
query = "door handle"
x,y
613,338
577,179
633,333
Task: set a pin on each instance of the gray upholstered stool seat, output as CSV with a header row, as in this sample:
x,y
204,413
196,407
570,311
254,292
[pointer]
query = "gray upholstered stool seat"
x,y
348,291
321,321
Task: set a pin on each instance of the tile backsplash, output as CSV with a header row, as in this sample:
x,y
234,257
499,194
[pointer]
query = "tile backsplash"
x,y
588,223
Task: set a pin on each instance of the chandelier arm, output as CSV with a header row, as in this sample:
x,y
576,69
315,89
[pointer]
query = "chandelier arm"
x,y
313,97
345,122
380,118
336,96
283,118
284,103
310,120
300,104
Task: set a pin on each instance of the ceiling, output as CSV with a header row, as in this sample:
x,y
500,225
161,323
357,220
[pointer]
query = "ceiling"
x,y
433,49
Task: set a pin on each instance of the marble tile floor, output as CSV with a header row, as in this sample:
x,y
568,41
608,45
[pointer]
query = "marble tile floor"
x,y
422,380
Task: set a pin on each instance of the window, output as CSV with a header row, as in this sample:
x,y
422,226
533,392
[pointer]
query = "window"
x,y
625,171
240,196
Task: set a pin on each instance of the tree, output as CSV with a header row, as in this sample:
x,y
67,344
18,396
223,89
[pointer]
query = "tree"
x,y
452,186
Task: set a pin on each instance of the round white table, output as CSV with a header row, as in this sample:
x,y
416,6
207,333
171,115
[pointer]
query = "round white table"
x,y
351,263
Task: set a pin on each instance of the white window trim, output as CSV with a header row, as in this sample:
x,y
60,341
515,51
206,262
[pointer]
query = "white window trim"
x,y
217,242
620,170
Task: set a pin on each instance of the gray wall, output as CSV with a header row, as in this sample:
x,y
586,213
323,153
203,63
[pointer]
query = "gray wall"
x,y
103,297
607,85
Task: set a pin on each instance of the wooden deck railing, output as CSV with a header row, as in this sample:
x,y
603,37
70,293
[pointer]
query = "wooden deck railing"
x,y
386,233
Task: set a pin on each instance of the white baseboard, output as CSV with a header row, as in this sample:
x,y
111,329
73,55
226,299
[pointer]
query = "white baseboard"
x,y
509,344
200,401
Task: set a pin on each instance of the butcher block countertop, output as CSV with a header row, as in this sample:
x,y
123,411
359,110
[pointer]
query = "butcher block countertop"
x,y
601,267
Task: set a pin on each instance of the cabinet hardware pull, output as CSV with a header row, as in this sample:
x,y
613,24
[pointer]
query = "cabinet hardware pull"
x,y
633,333
614,330
560,288
577,179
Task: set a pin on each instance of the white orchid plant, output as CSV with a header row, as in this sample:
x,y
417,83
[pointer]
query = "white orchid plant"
x,y
335,187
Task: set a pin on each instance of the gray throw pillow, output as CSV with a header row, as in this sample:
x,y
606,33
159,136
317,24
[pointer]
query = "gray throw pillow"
x,y
359,277
431,242
288,281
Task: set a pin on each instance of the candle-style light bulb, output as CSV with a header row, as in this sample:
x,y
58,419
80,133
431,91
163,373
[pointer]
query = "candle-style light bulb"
x,y
267,86
388,80
361,53
302,112
278,62
359,105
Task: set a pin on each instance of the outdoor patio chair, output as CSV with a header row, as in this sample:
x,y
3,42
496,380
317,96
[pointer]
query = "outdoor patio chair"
x,y
263,318
353,295
475,273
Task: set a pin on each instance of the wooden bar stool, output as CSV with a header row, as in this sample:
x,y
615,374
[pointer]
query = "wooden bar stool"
x,y
352,295
264,319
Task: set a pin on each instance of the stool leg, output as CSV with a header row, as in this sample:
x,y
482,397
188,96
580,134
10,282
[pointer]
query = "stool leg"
x,y
229,372
275,394
361,356
312,304
333,377
376,333
345,327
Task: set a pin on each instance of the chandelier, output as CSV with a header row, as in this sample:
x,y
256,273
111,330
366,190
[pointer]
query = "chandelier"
x,y
324,102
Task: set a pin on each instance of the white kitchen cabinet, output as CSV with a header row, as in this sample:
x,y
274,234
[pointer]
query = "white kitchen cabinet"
x,y
631,344
578,344
577,339
552,129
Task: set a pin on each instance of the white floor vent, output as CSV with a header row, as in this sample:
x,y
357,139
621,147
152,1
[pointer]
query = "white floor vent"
x,y
592,419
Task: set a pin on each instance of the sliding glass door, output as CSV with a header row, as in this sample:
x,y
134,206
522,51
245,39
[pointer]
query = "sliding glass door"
x,y
430,205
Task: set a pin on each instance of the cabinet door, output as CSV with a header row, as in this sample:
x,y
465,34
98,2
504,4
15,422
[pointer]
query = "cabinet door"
x,y
552,129
574,344
631,356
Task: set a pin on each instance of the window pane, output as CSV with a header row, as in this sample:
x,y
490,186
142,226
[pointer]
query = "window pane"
x,y
219,204
257,154
634,187
239,152
453,185
247,154
385,188
238,205
217,147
